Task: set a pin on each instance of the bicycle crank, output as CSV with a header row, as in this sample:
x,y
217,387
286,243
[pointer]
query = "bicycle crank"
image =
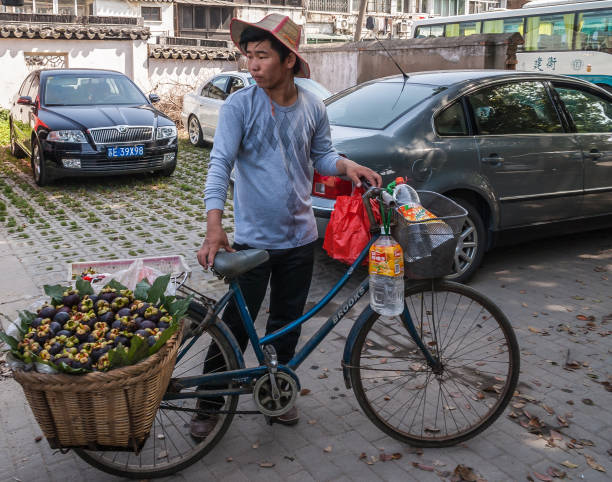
x,y
275,400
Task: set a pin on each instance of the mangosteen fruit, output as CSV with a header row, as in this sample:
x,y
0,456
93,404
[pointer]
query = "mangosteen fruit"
x,y
147,324
71,298
61,317
151,340
116,324
107,317
152,313
141,333
47,311
36,322
55,327
124,312
55,349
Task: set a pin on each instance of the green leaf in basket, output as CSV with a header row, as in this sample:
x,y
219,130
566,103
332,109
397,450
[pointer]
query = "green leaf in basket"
x,y
157,290
10,341
164,337
55,292
139,349
26,318
141,292
116,285
84,287
118,356
178,307
68,369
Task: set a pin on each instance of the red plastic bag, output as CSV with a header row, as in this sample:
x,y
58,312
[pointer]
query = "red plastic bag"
x,y
348,230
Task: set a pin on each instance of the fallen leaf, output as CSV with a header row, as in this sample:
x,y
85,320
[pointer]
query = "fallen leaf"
x,y
593,463
439,463
255,445
544,477
162,455
585,318
587,401
383,361
396,456
386,457
322,376
327,449
562,421
554,472
304,391
548,409
291,459
427,468
229,459
569,464
556,435
311,422
38,439
362,456
267,465
465,473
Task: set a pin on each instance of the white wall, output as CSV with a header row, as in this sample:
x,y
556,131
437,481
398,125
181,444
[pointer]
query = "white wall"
x,y
166,75
116,8
166,25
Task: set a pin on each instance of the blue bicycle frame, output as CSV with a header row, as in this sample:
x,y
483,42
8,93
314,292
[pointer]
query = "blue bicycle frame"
x,y
243,377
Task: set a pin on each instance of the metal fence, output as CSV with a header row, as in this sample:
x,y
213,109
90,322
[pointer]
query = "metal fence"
x,y
329,6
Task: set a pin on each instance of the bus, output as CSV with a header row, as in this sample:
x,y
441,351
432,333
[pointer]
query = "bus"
x,y
560,37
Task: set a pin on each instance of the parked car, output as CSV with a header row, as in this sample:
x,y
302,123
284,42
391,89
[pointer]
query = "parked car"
x,y
76,122
524,153
201,108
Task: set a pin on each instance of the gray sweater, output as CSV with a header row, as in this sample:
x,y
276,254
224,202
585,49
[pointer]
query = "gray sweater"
x,y
271,156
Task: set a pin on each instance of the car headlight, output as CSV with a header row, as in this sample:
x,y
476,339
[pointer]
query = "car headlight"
x,y
166,132
67,136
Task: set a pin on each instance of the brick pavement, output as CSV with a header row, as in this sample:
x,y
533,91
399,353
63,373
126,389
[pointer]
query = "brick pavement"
x,y
541,286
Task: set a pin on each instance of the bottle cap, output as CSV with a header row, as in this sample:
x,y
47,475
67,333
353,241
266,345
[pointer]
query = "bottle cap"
x,y
399,180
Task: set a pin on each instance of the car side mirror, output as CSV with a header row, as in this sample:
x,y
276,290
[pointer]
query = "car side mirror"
x,y
25,100
154,98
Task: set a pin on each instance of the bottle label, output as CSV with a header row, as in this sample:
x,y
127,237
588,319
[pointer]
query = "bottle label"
x,y
386,260
417,213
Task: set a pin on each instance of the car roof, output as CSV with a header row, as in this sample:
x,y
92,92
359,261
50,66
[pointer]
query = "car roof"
x,y
46,72
452,77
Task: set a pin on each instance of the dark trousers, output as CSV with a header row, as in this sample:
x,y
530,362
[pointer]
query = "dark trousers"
x,y
289,272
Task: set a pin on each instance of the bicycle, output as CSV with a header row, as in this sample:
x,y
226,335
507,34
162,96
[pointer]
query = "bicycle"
x,y
437,375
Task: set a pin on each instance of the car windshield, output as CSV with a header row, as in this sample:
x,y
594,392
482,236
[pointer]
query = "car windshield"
x,y
376,105
81,89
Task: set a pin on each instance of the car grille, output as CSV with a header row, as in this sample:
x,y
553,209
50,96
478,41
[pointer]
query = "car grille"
x,y
111,135
123,164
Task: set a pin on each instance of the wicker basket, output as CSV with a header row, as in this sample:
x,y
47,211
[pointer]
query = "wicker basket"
x,y
111,410
429,247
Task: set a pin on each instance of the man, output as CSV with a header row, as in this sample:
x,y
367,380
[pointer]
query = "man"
x,y
268,133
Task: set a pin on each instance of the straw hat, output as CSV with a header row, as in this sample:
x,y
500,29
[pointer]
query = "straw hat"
x,y
280,26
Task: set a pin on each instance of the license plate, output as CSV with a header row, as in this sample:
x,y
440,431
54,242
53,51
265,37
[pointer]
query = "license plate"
x,y
127,151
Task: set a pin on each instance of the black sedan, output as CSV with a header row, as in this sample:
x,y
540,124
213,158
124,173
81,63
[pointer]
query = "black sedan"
x,y
75,122
526,154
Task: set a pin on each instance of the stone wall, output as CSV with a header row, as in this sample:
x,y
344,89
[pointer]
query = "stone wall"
x,y
358,62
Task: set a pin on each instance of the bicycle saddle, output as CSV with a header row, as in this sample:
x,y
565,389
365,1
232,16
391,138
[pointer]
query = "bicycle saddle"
x,y
231,265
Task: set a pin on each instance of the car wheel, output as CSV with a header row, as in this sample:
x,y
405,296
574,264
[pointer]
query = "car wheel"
x,y
39,171
471,245
195,131
16,151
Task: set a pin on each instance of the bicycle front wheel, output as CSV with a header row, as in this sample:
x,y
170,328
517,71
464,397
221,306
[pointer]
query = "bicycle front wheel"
x,y
436,406
170,446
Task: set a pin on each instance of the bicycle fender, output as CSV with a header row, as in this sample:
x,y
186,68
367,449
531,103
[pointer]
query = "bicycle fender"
x,y
232,341
363,317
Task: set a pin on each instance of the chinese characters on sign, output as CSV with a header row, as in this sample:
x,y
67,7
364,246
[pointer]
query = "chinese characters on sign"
x,y
541,64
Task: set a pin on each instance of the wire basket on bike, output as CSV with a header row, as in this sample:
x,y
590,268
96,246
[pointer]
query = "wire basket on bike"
x,y
429,246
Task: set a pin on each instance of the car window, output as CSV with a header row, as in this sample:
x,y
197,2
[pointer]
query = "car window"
x,y
514,108
91,89
451,121
376,105
590,112
33,89
216,88
204,91
235,83
25,87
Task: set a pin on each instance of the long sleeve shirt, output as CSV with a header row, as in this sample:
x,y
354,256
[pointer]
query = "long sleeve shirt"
x,y
271,148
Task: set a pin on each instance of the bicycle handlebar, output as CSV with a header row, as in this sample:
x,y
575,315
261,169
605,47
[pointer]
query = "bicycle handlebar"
x,y
373,192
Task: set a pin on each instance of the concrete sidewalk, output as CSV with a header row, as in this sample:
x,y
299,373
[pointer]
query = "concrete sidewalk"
x,y
548,290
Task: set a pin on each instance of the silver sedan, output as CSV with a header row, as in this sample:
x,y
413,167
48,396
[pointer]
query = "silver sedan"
x,y
201,108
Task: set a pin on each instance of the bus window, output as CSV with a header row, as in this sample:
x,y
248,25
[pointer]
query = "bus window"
x,y
595,31
506,25
426,31
549,32
451,30
469,28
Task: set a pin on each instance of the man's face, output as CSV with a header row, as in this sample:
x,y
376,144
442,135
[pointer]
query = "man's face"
x,y
265,65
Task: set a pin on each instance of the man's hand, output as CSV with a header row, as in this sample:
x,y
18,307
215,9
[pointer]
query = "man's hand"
x,y
216,239
356,171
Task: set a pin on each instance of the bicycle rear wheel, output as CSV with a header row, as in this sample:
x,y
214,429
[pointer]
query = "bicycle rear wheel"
x,y
170,447
407,398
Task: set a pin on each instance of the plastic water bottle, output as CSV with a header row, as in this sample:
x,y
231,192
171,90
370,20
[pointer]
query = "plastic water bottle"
x,y
386,269
405,195
409,205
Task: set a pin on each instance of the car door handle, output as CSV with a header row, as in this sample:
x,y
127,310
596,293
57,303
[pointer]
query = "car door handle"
x,y
594,154
493,159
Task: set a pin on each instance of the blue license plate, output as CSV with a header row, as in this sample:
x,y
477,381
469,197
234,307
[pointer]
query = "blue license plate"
x,y
127,151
